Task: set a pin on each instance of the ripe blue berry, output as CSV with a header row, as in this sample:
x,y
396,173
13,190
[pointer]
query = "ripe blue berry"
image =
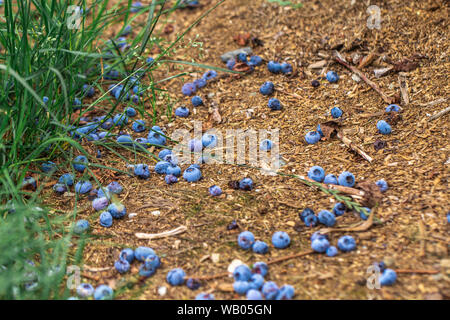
x,y
256,281
81,226
163,153
392,108
152,261
388,277
265,145
327,218
286,292
182,112
255,61
267,88
192,174
106,219
364,213
48,166
316,173
270,290
200,83
125,140
175,277
331,251
231,63
241,287
146,272
339,209
188,89
320,244
141,253
88,90
336,112
170,178
274,104
260,268
311,220
346,179
78,163
382,184
141,171
330,179
312,137
127,254
193,284
103,292
274,67
384,127
260,247
245,240
242,273
246,184
253,294
204,296
66,179
286,68
242,57
332,76
122,266
156,138
83,187
196,101
100,203
209,140
215,191
130,112
150,61
85,290
281,240
161,167
173,170
115,187
306,212
346,243
209,75
117,210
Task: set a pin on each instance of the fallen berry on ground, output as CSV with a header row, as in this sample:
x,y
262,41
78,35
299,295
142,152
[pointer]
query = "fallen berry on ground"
x,y
196,101
122,266
141,253
215,191
103,292
281,240
253,294
331,251
382,184
330,179
336,112
260,268
327,218
79,163
81,226
85,290
192,174
388,277
260,247
274,104
312,137
346,179
332,76
339,209
175,277
245,240
267,88
242,273
320,244
274,67
246,184
316,173
100,203
346,243
286,292
384,127
106,219
270,290
241,287
127,254
188,89
193,284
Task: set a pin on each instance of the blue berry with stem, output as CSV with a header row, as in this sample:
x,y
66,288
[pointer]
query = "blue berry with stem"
x,y
312,137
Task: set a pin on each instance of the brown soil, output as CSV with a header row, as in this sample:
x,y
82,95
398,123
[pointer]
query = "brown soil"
x,y
413,233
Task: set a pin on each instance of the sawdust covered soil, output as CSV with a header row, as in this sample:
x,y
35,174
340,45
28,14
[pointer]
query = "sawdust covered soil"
x,y
414,159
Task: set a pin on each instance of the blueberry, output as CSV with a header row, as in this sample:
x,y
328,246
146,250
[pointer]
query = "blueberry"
x,y
255,61
100,203
384,127
200,83
281,240
253,294
156,138
274,104
45,99
332,76
339,209
286,68
267,88
382,184
135,7
245,240
242,273
209,140
103,193
78,163
311,220
59,188
364,213
81,226
392,108
448,217
173,170
265,145
106,219
77,102
312,137
83,187
141,171
330,179
231,63
29,181
163,153
188,89
146,272
125,140
315,83
161,167
115,187
256,281
120,119
122,266
316,173
260,247
306,212
242,57
210,74
117,210
176,276
246,184
152,261
241,287
320,244
274,67
346,243
318,235
107,124
127,254
192,174
336,112
193,284
380,265
48,166
195,145
260,268
149,61
215,191
141,253
327,218
196,101
388,277
270,290
85,290
88,90
126,31
204,296
346,179
331,251
286,292
170,178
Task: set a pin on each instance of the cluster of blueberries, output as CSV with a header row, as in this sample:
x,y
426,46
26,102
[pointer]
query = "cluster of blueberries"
x,y
150,261
250,282
320,243
242,57
86,290
313,137
246,240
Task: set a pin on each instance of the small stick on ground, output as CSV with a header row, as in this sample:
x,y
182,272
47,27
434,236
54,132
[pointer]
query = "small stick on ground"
x,y
165,234
403,88
439,114
354,147
360,74
417,271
